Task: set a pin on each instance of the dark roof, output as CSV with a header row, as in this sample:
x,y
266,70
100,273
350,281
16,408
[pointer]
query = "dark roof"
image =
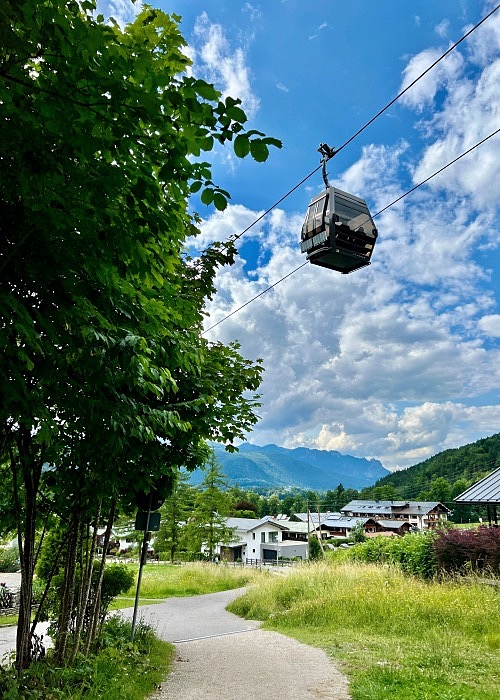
x,y
346,521
392,507
393,524
486,491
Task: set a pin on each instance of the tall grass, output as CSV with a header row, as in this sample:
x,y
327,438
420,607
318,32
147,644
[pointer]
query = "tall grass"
x,y
396,636
164,581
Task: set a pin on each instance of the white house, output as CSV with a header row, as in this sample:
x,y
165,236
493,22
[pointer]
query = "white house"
x,y
265,540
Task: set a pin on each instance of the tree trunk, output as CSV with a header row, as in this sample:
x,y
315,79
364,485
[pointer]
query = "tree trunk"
x,y
68,595
94,615
29,469
85,588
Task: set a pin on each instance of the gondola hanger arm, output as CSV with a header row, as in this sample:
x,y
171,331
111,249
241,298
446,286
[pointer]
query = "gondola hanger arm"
x,y
326,154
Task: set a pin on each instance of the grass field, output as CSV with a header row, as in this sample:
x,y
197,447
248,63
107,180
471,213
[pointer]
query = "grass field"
x,y
395,637
167,580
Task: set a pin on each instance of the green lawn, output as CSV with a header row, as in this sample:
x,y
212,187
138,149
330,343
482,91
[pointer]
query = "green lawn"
x,y
167,580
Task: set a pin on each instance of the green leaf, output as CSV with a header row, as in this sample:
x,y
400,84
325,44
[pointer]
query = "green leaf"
x,y
196,186
241,145
237,114
206,90
259,151
207,196
220,202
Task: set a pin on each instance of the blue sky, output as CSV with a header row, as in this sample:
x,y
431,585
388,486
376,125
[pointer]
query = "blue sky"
x,y
400,360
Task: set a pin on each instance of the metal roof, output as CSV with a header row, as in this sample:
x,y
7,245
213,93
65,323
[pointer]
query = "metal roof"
x,y
485,491
249,524
392,524
392,507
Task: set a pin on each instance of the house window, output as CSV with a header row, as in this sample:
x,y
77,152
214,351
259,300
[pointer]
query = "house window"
x,y
253,536
273,537
262,536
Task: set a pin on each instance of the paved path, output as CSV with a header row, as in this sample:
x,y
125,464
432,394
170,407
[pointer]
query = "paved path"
x,y
219,656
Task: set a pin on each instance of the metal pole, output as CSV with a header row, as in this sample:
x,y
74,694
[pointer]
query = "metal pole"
x,y
142,560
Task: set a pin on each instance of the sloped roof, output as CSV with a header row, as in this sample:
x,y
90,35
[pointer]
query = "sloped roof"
x,y
392,524
346,521
486,491
249,524
313,517
390,507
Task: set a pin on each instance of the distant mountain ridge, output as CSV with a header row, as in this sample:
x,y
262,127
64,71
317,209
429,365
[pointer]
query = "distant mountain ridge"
x,y
273,466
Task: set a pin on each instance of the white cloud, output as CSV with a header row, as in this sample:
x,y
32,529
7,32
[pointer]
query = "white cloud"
x,y
443,28
424,91
220,226
490,325
123,11
222,64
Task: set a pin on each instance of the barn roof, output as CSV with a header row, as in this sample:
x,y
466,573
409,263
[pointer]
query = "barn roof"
x,y
486,491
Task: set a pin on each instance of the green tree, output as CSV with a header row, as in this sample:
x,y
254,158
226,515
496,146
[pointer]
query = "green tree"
x,y
315,551
207,527
357,533
174,516
104,375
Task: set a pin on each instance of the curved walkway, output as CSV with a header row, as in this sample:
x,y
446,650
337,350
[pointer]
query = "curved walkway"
x,y
219,656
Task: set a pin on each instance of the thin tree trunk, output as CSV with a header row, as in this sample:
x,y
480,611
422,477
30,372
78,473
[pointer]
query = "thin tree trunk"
x,y
94,615
47,586
30,470
68,595
85,587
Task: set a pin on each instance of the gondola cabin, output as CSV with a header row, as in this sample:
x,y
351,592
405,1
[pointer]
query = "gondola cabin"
x,y
338,231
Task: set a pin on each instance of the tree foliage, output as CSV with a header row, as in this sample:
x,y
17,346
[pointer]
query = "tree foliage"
x,y
207,526
107,385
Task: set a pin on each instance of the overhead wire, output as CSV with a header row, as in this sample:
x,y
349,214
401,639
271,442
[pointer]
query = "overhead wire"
x,y
235,237
423,182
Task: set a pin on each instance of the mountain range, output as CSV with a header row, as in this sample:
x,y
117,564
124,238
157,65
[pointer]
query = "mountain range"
x,y
273,466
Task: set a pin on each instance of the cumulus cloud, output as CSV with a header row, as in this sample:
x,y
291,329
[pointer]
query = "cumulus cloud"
x,y
424,91
399,360
123,11
490,325
219,62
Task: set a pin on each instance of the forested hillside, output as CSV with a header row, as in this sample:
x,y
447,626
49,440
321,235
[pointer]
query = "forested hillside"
x,y
443,476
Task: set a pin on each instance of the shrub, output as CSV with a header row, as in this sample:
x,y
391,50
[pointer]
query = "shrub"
x,y
478,550
314,548
6,597
413,553
9,559
117,579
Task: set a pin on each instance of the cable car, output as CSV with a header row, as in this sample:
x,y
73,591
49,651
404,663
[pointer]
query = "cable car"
x,y
338,231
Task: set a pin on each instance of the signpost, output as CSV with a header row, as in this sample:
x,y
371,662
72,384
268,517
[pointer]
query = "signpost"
x,y
149,522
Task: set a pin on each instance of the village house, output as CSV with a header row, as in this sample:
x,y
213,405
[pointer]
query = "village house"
x,y
265,540
421,515
340,525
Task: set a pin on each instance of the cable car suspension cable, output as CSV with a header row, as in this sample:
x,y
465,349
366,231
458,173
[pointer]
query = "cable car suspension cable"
x,y
334,151
275,284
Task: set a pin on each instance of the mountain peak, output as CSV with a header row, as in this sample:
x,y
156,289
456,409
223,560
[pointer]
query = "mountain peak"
x,y
271,466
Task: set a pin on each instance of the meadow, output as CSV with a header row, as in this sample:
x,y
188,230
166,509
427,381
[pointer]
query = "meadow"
x,y
160,581
394,636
